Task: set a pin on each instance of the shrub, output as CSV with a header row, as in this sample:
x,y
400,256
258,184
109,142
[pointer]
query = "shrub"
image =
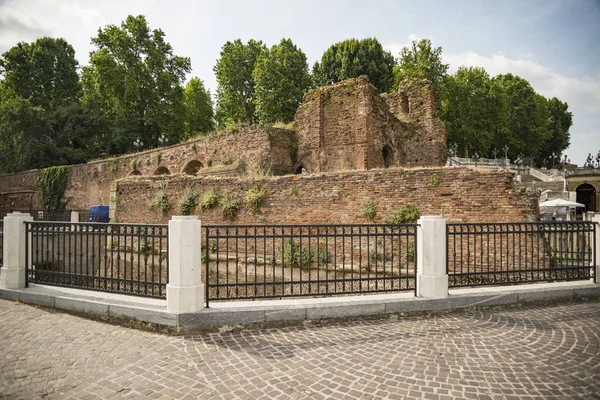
x,y
434,180
187,202
210,199
294,257
133,164
255,198
407,214
258,171
161,202
369,210
229,207
410,252
227,160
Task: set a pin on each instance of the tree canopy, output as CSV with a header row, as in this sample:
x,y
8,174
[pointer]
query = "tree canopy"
x,y
135,80
281,77
199,115
421,61
352,58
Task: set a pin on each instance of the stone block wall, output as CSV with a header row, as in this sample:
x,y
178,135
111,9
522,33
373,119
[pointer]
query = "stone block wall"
x,y
460,194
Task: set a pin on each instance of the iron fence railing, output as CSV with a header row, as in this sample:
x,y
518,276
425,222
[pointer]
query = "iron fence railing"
x,y
275,261
121,258
501,253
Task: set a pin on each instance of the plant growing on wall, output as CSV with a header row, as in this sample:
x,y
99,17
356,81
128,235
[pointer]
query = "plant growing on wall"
x,y
369,210
229,206
111,163
407,214
161,202
187,202
157,157
133,164
255,198
434,180
54,184
210,199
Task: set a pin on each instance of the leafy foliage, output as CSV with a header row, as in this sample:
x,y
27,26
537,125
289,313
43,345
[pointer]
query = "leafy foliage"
x,y
281,78
235,91
353,58
369,210
421,61
199,117
297,256
187,202
255,198
210,199
135,80
407,214
229,206
161,202
54,184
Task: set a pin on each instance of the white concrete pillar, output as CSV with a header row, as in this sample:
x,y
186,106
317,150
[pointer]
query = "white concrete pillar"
x,y
74,216
185,291
12,273
596,218
432,277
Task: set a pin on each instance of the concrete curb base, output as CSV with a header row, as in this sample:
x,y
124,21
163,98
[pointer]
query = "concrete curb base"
x,y
289,312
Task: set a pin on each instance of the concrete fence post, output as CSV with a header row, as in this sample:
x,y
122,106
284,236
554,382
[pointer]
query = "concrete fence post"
x,y
74,216
432,277
12,273
596,220
185,291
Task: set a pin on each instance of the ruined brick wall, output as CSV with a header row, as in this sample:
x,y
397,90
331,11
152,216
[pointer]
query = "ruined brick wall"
x,y
415,104
348,126
460,194
89,183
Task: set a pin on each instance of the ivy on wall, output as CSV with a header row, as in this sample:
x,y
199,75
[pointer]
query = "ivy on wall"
x,y
54,184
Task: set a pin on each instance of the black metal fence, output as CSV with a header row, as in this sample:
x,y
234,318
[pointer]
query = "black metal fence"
x,y
275,261
121,258
491,254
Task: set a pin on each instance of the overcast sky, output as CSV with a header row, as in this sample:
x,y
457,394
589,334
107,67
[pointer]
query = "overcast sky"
x,y
554,44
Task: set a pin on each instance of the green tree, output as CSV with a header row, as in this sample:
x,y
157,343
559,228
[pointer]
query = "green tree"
x,y
199,115
44,72
352,58
470,111
135,80
421,61
281,77
523,123
559,123
235,91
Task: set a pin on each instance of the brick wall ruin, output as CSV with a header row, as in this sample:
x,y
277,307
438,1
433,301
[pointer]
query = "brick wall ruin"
x,y
460,194
348,126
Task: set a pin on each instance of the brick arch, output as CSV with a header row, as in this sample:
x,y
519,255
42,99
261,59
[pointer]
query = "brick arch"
x,y
162,171
192,167
586,195
299,168
135,172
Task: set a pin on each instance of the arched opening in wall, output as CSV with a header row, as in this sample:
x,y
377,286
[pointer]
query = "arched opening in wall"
x,y
388,156
586,195
404,108
162,171
300,170
192,167
135,172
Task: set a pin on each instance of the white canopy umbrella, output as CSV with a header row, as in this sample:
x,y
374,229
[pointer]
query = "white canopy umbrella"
x,y
557,203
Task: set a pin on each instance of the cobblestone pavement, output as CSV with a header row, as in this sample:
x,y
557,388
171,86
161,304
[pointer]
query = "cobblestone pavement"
x,y
516,353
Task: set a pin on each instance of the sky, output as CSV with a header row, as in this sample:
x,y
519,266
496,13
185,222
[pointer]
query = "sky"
x,y
554,44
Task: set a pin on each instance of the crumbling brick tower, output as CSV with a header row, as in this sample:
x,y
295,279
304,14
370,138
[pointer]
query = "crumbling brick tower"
x,y
348,126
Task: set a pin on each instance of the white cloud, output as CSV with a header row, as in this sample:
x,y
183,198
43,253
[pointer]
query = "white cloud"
x,y
396,48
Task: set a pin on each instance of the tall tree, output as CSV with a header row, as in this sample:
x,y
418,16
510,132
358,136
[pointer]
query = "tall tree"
x,y
44,72
281,77
523,124
559,123
470,111
235,91
136,81
352,58
421,61
199,115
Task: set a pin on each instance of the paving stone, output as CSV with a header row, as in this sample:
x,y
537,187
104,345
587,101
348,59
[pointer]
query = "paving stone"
x,y
533,351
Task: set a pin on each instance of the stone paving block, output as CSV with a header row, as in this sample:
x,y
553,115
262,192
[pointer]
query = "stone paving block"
x,y
141,314
77,305
222,317
344,310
